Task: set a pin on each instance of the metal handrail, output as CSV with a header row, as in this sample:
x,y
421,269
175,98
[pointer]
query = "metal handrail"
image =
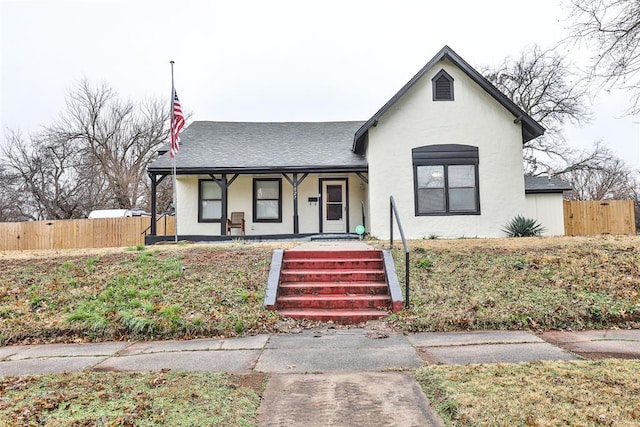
x,y
162,216
393,211
364,218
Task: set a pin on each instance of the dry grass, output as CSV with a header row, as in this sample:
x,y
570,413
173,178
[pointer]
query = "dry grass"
x,y
603,392
537,283
128,399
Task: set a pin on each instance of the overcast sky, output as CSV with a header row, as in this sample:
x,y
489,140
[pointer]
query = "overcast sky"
x,y
268,60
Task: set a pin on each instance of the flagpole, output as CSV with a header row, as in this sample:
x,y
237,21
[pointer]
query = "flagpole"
x,y
173,160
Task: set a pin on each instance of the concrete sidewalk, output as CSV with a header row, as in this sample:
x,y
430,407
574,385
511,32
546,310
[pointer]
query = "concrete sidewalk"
x,y
320,350
327,376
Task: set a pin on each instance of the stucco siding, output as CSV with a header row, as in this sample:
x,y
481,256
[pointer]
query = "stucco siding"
x,y
474,118
548,210
240,199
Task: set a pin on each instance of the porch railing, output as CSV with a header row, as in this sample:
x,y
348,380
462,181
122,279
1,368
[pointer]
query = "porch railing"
x,y
393,212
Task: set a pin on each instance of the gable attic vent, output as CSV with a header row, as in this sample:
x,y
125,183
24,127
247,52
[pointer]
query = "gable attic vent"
x,y
442,87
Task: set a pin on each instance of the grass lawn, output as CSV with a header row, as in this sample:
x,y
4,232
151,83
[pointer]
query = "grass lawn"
x,y
140,293
527,283
131,399
586,393
190,291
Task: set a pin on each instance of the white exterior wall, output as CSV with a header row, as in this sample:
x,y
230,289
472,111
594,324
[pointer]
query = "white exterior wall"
x,y
548,210
240,199
474,118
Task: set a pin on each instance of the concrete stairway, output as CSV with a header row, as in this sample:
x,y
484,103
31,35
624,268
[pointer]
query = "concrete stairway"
x,y
345,286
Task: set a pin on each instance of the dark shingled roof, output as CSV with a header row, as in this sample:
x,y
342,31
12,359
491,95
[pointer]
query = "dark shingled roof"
x,y
530,128
227,147
542,184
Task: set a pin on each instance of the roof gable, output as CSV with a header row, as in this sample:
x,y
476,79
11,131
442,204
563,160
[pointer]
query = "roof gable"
x,y
530,128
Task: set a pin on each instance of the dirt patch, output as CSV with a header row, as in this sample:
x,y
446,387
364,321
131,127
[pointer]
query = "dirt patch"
x,y
424,355
254,381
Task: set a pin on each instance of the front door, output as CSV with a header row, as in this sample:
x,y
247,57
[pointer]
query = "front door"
x,y
334,207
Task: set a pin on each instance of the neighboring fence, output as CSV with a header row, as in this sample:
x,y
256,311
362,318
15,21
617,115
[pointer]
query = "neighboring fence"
x,y
79,233
599,217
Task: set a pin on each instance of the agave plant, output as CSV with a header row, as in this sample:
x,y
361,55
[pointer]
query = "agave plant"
x,y
523,227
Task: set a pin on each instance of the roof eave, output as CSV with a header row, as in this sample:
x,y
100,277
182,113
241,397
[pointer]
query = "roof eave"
x,y
547,191
259,170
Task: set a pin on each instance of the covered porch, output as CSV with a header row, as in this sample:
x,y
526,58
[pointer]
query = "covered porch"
x,y
278,204
283,179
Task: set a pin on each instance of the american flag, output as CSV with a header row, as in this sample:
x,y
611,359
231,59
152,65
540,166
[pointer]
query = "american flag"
x,y
177,123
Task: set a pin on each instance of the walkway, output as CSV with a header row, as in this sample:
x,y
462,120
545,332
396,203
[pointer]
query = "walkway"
x,y
349,376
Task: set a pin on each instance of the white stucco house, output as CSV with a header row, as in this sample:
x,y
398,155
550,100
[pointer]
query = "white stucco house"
x,y
447,147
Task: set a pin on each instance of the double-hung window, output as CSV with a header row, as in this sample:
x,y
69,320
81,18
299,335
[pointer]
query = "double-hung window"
x,y
446,180
210,197
267,200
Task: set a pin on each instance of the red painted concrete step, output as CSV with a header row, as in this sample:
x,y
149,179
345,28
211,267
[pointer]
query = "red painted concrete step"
x,y
346,286
345,317
335,275
334,301
315,288
341,263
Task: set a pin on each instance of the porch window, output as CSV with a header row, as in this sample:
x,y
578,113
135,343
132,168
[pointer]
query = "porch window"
x,y
210,201
446,180
267,200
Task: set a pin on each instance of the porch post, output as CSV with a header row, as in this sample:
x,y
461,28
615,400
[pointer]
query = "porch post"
x,y
154,188
294,181
296,227
223,219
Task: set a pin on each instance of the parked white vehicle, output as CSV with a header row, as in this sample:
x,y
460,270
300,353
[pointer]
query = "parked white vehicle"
x,y
117,213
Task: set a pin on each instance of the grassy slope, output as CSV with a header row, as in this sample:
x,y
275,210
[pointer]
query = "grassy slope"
x,y
456,284
156,293
523,283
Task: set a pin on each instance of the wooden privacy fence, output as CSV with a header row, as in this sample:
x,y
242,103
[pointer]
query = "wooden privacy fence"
x,y
80,233
599,217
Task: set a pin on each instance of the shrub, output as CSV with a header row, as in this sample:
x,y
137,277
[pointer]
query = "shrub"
x,y
523,227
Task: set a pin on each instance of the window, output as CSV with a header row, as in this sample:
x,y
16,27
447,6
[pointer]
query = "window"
x,y
267,200
334,202
442,85
210,201
446,180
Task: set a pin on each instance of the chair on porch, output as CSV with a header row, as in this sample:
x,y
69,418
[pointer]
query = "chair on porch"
x,y
236,221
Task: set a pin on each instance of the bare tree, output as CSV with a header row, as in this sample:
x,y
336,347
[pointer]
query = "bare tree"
x,y
12,200
120,137
611,30
601,177
49,180
540,81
